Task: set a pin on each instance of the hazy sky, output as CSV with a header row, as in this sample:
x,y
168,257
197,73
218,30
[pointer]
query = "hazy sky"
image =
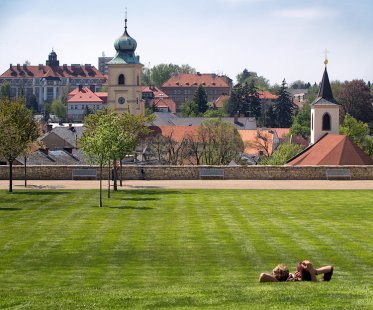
x,y
276,38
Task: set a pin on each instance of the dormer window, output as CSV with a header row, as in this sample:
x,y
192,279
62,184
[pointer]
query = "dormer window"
x,y
121,80
326,122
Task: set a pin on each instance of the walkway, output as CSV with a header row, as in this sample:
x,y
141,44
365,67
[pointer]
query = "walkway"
x,y
195,184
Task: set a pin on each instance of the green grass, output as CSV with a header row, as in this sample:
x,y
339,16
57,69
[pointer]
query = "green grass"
x,y
158,249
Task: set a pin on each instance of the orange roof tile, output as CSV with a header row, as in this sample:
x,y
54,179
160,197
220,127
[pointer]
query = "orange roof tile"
x,y
266,95
194,80
220,101
332,149
178,133
155,90
85,95
254,144
165,102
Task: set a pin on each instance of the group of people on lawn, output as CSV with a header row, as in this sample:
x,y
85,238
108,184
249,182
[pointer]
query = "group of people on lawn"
x,y
305,271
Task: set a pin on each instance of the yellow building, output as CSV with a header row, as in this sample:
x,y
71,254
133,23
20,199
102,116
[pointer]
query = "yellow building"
x,y
124,81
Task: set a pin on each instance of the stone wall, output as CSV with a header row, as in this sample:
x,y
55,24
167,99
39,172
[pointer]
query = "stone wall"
x,y
191,172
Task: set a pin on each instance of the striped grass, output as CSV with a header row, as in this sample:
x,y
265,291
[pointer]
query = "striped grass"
x,y
158,249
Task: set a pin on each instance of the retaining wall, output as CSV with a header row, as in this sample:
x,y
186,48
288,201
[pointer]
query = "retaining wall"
x,y
191,172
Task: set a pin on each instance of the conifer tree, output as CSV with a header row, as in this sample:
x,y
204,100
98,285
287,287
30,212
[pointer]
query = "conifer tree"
x,y
252,104
200,98
284,107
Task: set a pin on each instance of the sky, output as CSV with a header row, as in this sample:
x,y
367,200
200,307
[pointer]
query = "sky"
x,y
276,38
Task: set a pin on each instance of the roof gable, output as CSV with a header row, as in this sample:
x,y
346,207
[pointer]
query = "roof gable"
x,y
194,80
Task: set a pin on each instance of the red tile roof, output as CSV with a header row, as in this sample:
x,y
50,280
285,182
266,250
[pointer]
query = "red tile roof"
x,y
253,144
102,95
332,149
266,95
155,90
176,132
80,71
85,95
194,80
165,102
220,101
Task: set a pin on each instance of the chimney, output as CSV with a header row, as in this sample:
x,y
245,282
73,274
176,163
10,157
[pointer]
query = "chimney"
x,y
18,66
25,67
45,151
236,117
64,66
199,73
49,127
11,67
70,126
80,89
92,88
41,66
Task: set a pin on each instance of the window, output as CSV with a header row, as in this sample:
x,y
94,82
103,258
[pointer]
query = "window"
x,y
138,80
311,121
326,122
121,80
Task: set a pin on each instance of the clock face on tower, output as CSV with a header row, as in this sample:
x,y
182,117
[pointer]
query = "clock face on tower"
x,y
121,100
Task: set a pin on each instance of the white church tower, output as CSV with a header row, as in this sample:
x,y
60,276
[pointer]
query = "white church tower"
x,y
324,111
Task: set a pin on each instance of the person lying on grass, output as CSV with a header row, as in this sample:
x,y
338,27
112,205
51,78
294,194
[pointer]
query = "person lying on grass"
x,y
305,272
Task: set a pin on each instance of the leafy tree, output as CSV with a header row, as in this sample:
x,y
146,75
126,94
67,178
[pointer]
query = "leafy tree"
x,y
302,122
58,108
214,113
356,100
32,103
284,107
282,155
189,109
161,73
358,132
5,90
235,102
200,99
17,131
248,77
221,140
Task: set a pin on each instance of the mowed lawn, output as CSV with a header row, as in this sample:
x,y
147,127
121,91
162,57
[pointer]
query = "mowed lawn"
x,y
159,249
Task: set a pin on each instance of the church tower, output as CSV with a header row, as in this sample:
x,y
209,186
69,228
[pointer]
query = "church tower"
x,y
124,81
324,111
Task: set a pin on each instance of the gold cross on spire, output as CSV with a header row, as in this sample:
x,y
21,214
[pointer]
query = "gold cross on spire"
x,y
125,20
326,52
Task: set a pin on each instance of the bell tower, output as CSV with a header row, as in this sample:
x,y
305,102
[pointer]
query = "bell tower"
x,y
124,81
324,110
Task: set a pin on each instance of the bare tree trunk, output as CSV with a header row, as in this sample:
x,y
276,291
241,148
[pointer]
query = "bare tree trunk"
x,y
100,185
115,175
25,171
108,188
121,173
10,175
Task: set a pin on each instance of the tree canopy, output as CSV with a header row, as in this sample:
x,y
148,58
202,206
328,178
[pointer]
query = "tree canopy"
x,y
284,107
247,76
159,74
17,130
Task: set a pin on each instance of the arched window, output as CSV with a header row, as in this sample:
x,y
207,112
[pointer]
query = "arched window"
x,y
326,122
121,80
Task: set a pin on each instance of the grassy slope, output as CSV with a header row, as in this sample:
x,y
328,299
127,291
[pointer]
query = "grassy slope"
x,y
179,249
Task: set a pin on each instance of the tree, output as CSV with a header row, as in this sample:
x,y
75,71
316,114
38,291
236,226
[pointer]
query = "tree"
x,y
161,73
302,122
215,113
17,131
189,109
283,154
235,102
58,108
284,107
32,103
356,100
247,77
5,90
358,132
103,139
200,99
251,104
221,140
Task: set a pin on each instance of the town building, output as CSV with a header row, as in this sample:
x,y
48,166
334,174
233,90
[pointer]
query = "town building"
x,y
182,87
157,100
51,80
102,64
83,101
124,80
327,146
